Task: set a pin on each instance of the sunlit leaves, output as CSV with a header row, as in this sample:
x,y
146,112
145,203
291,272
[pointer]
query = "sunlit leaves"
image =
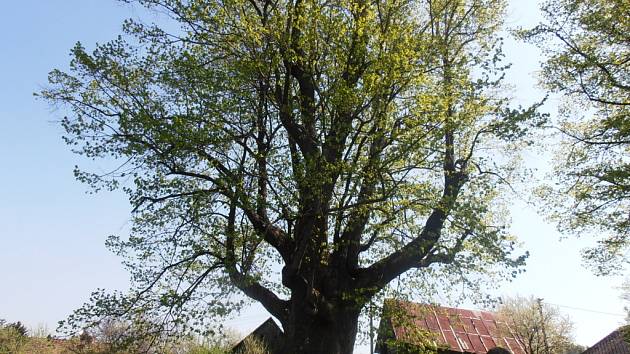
x,y
588,62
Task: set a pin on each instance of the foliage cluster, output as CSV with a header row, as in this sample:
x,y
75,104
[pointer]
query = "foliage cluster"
x,y
587,49
12,337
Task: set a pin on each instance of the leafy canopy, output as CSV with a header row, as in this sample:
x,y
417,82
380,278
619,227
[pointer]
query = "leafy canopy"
x,y
304,153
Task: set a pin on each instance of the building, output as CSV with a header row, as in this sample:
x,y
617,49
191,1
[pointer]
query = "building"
x,y
614,343
450,330
268,333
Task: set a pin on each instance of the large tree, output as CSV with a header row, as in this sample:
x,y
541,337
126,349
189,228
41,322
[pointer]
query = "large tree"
x,y
587,49
304,153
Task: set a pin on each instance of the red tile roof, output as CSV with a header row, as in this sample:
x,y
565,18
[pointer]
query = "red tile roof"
x,y
455,330
613,343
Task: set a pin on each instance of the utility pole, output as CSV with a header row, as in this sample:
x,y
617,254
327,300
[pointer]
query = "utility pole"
x,y
371,329
542,324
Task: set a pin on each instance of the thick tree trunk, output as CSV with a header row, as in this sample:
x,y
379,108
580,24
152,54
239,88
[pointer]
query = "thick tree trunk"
x,y
312,334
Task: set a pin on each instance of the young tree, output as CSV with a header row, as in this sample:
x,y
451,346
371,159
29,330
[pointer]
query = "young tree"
x,y
540,327
587,44
305,153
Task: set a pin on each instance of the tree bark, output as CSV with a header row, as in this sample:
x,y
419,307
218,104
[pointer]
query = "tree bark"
x,y
334,333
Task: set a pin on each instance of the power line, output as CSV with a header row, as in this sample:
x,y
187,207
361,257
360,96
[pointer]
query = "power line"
x,y
587,310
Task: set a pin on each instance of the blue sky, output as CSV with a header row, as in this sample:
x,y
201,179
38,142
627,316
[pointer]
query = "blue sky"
x,y
52,232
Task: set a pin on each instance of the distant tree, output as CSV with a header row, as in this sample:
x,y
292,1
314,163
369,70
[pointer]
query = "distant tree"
x,y
304,153
587,49
625,296
12,337
19,328
540,327
142,336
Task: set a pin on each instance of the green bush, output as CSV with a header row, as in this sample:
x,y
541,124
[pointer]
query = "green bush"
x,y
252,345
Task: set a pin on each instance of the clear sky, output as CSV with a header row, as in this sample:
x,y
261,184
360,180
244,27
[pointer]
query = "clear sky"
x,y
52,233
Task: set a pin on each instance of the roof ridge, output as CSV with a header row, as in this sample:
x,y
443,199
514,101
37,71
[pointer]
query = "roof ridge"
x,y
437,305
